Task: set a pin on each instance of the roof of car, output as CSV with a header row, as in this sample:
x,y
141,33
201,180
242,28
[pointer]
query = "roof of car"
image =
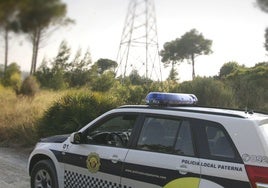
x,y
204,110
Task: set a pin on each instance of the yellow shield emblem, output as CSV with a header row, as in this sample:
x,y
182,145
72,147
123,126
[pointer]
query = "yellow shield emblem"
x,y
93,162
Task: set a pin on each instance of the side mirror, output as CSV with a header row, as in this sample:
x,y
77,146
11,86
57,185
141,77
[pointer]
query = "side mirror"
x,y
76,138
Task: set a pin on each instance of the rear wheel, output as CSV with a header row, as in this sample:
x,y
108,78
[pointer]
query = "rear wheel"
x,y
43,175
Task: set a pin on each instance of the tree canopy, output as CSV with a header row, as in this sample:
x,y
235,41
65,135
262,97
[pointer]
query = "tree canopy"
x,y
105,64
228,68
37,17
8,22
263,5
188,47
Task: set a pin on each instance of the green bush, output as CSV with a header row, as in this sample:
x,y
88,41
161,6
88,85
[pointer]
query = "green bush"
x,y
12,76
128,94
210,92
103,83
29,86
73,111
251,87
1,88
136,95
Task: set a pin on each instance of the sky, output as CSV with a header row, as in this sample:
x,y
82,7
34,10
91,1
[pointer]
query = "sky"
x,y
236,28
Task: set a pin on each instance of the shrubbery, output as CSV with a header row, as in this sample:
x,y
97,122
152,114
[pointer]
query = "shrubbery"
x,y
29,87
19,116
12,77
73,111
210,92
250,86
1,88
40,117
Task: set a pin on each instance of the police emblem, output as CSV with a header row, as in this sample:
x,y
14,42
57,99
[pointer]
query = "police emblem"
x,y
93,162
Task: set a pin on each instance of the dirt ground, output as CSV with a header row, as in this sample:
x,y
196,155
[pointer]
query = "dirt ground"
x,y
13,168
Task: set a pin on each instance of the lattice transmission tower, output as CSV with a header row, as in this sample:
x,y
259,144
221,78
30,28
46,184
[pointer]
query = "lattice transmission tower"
x,y
139,49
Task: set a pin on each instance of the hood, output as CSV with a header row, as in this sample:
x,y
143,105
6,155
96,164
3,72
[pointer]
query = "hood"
x,y
55,139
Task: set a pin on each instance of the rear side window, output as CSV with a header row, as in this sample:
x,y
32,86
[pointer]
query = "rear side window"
x,y
166,136
214,142
218,142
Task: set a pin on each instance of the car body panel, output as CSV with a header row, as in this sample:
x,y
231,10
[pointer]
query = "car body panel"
x,y
130,167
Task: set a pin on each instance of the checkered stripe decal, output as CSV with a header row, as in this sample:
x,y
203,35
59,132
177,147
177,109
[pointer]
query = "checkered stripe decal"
x,y
74,180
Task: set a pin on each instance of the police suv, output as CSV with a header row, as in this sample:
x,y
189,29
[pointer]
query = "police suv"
x,y
170,143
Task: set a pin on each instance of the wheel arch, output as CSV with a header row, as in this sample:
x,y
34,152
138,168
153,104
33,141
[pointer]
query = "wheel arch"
x,y
36,158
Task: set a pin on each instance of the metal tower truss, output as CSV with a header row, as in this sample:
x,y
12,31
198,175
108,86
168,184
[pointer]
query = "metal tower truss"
x,y
139,48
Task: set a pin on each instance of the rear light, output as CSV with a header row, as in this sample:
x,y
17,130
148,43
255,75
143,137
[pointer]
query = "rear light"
x,y
258,176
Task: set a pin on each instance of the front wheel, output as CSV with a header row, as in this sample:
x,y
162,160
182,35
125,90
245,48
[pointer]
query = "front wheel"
x,y
43,175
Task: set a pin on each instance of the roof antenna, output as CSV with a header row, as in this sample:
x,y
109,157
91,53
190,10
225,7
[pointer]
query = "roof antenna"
x,y
247,111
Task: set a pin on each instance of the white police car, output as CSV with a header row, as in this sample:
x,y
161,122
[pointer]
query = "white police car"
x,y
169,143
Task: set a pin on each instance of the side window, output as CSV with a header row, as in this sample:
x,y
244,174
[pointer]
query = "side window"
x,y
218,142
115,131
166,136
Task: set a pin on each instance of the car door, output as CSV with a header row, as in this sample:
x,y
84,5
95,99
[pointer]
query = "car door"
x,y
163,156
97,161
221,164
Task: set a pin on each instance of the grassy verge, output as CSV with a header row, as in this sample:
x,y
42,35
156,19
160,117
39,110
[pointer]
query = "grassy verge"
x,y
19,116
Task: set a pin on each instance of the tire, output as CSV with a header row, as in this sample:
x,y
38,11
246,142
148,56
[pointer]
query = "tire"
x,y
43,175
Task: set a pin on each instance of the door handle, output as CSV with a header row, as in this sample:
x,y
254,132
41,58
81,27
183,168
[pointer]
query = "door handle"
x,y
115,159
183,169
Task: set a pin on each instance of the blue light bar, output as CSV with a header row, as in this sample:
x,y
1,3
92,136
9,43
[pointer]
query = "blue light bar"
x,y
170,99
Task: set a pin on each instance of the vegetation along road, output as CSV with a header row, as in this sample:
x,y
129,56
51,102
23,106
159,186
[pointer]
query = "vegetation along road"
x,y
13,165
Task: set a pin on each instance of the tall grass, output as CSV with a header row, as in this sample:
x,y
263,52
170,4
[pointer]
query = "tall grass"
x,y
19,116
